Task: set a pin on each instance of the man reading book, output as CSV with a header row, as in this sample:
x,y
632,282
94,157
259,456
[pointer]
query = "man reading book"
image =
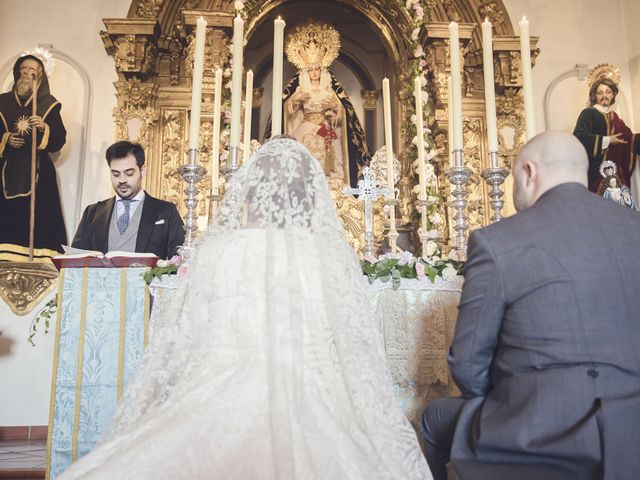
x,y
133,220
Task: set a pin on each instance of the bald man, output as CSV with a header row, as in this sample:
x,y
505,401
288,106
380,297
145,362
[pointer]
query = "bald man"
x,y
547,343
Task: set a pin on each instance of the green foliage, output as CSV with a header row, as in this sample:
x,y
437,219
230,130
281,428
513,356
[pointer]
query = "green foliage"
x,y
390,269
158,272
46,314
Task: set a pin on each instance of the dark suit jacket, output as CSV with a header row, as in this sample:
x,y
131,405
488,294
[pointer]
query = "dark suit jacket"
x,y
548,330
163,239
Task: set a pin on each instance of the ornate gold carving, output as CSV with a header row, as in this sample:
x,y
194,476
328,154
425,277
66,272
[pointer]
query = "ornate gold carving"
x,y
351,214
172,133
604,70
473,159
493,12
148,8
507,63
511,126
136,94
125,53
23,285
453,13
369,99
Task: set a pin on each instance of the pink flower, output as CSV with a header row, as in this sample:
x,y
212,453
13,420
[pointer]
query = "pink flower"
x,y
175,260
182,270
420,270
370,258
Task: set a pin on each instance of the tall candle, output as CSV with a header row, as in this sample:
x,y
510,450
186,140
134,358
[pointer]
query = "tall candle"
x,y
450,122
417,87
388,135
276,94
489,89
527,80
248,99
196,86
236,80
215,151
456,85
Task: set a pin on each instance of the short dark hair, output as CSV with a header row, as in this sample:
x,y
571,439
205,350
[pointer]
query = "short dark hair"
x,y
124,148
602,81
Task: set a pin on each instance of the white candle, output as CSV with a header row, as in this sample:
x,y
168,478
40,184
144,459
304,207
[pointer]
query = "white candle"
x,y
248,100
456,85
276,94
417,87
236,80
489,90
215,151
527,81
388,135
196,85
450,122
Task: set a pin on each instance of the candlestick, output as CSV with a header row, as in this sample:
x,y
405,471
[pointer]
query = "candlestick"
x,y
248,99
420,128
215,151
489,89
276,94
527,80
236,89
196,85
456,85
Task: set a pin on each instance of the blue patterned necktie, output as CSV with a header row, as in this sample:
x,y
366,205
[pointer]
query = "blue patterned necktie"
x,y
123,220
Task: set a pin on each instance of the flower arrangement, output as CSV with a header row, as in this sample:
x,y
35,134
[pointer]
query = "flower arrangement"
x,y
394,267
173,266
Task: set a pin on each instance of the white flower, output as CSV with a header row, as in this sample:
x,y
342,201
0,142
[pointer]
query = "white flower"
x,y
406,258
238,5
162,263
415,33
414,140
449,273
226,73
435,218
413,118
429,171
432,247
423,81
433,233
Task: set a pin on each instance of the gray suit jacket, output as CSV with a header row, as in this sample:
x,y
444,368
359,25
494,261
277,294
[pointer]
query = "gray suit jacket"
x,y
548,327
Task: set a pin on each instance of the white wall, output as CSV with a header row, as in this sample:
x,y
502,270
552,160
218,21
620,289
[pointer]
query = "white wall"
x,y
72,27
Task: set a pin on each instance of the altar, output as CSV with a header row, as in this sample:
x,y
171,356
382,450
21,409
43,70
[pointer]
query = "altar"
x,y
417,322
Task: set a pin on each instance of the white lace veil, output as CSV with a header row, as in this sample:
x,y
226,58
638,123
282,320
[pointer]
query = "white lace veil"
x,y
271,335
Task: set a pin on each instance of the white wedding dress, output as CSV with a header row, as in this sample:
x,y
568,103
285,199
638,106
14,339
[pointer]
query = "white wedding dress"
x,y
271,366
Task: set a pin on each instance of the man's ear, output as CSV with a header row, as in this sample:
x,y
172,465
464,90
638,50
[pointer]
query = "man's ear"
x,y
531,170
143,170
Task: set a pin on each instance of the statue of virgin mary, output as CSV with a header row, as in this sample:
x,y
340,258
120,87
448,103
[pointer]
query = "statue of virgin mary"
x,y
317,110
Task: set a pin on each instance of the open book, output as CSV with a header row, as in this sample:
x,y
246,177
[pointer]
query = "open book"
x,y
78,258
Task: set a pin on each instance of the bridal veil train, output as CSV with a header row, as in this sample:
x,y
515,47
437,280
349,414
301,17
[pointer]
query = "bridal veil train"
x,y
268,364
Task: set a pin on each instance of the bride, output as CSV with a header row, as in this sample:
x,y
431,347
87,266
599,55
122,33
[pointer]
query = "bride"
x,y
268,364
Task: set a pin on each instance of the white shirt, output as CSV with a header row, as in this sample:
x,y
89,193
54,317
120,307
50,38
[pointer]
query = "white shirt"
x,y
604,111
135,201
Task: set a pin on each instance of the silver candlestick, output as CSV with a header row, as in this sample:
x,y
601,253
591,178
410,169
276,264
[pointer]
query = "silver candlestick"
x,y
495,176
191,173
422,231
233,164
459,176
214,201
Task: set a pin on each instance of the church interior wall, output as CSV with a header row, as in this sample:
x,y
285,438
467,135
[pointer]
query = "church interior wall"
x,y
571,32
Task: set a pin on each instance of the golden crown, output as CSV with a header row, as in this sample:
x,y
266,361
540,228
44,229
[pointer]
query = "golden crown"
x,y
313,44
604,70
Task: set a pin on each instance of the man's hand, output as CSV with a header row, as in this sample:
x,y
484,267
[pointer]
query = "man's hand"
x,y
615,139
16,141
36,122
